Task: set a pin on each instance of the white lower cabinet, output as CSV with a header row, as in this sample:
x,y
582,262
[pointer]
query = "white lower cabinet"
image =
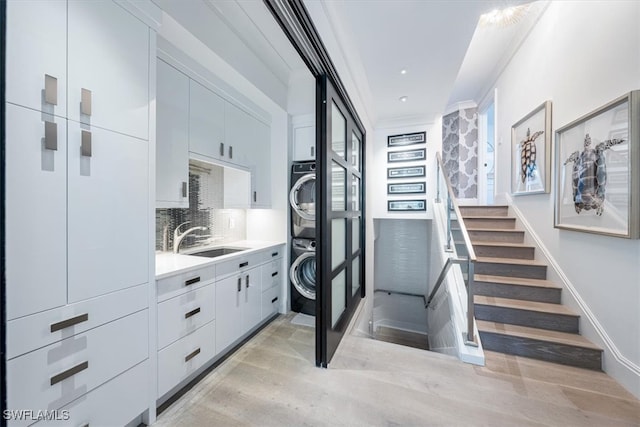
x,y
182,315
185,356
55,375
270,302
228,311
95,409
251,299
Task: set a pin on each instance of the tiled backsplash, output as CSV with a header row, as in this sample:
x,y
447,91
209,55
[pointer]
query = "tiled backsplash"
x,y
206,202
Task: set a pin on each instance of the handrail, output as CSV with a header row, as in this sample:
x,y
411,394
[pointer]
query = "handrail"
x,y
409,294
470,260
454,203
440,280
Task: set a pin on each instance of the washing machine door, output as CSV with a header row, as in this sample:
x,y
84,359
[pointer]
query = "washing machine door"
x,y
303,275
302,197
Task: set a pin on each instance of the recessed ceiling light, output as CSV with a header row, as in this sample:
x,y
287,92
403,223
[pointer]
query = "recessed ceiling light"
x,y
403,71
404,98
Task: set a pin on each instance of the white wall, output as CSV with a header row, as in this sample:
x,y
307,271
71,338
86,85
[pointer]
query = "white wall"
x,y
580,55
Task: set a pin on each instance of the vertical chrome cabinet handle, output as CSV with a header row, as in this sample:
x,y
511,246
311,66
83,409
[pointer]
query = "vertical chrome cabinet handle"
x,y
85,101
239,284
184,189
222,149
85,146
231,152
50,90
50,136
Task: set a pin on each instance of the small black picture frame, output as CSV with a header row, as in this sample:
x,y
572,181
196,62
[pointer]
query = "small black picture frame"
x,y
406,172
406,139
418,187
416,205
406,155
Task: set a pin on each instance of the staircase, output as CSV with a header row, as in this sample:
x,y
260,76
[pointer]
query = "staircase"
x,y
518,311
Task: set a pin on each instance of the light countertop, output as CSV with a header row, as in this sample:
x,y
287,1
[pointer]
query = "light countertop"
x,y
168,263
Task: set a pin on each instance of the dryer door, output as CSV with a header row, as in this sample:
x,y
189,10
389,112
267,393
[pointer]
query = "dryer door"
x,y
303,197
303,275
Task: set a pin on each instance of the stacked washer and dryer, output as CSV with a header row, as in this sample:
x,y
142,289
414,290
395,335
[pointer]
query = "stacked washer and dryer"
x,y
302,198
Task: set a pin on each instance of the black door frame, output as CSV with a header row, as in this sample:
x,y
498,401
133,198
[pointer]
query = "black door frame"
x,y
3,285
297,25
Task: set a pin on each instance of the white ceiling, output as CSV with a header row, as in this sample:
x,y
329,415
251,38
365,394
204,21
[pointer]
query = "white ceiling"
x,y
448,59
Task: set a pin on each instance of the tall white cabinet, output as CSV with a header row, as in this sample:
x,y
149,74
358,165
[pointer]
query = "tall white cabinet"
x,y
78,216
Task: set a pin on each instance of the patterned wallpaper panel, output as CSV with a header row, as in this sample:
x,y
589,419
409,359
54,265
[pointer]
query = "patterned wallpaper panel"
x,y
206,202
460,151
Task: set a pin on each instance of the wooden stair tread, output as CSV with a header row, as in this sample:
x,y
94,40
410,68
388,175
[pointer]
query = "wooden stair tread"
x,y
565,338
516,261
498,217
519,281
541,307
497,230
499,244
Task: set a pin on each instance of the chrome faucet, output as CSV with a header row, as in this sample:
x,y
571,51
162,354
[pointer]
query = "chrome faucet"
x,y
177,237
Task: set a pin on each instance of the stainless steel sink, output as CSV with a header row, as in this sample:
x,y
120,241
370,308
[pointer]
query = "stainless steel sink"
x,y
212,253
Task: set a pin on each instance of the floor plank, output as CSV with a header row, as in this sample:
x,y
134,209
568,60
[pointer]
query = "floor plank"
x,y
272,381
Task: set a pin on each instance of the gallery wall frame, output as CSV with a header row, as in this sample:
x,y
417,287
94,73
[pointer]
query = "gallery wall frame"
x,y
406,172
419,187
597,158
531,152
406,155
404,139
416,205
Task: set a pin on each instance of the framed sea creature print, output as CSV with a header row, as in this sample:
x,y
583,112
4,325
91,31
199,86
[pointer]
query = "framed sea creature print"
x,y
531,152
597,159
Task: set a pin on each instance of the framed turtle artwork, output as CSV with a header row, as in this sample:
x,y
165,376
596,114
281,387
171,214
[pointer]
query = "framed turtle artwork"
x,y
531,148
597,168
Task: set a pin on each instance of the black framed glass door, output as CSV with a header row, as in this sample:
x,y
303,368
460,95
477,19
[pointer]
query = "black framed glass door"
x,y
339,220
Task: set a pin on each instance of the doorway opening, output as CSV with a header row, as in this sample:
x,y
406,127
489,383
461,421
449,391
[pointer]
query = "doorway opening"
x,y
486,151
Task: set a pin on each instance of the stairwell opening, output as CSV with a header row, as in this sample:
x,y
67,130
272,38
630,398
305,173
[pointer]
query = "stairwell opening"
x,y
402,250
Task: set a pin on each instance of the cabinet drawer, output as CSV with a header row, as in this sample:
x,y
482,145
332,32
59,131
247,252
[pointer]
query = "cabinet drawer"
x,y
185,356
115,403
184,314
272,254
271,274
173,286
55,375
238,264
270,302
31,332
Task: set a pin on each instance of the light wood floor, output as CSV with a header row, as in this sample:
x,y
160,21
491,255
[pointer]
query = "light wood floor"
x,y
272,381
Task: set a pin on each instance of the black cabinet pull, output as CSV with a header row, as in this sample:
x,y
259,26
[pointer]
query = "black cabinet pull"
x,y
274,274
246,281
69,322
239,284
192,313
191,355
221,149
274,254
274,300
69,373
244,264
192,281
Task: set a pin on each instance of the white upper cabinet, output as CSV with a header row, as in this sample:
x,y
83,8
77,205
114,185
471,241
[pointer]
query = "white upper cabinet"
x,y
206,122
36,231
172,138
108,68
237,133
304,143
108,212
260,160
36,47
